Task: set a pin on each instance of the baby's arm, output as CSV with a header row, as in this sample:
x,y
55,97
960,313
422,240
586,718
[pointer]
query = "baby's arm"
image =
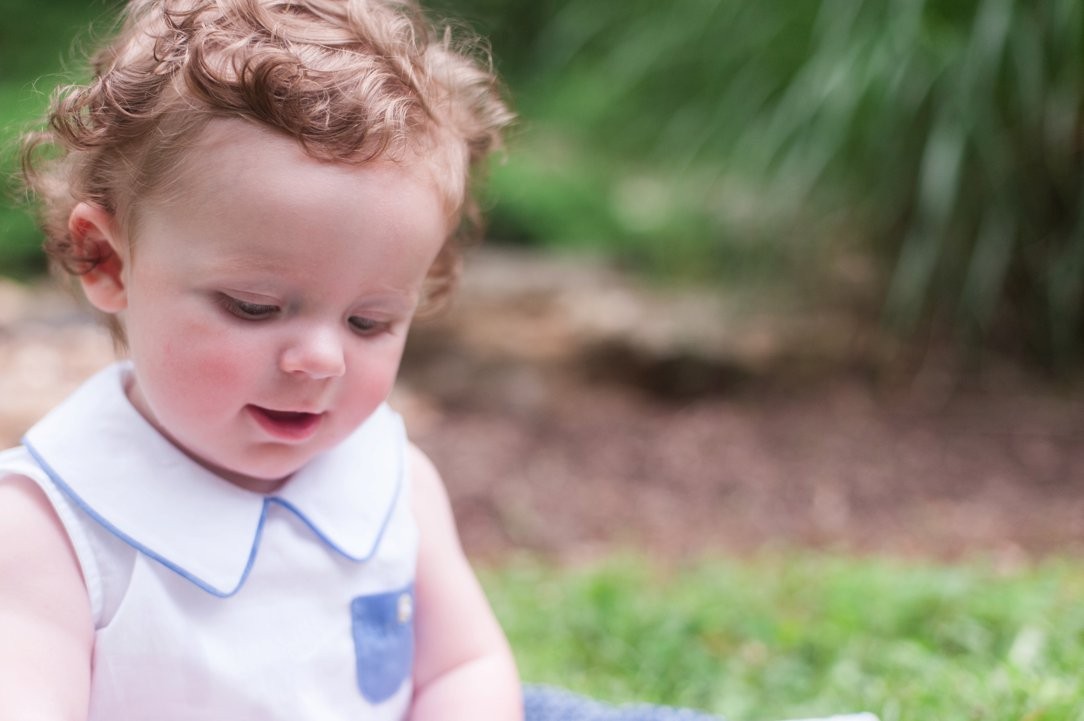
x,y
463,666
45,625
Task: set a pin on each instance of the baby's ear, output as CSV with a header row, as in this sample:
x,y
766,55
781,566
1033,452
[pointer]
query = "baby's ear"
x,y
94,231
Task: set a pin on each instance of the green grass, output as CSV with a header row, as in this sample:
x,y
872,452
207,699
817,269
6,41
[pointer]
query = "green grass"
x,y
783,637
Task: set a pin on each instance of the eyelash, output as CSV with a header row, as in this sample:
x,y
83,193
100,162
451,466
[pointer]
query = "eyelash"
x,y
259,311
367,326
247,311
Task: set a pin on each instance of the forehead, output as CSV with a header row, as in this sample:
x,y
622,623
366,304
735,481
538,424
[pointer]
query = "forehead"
x,y
225,151
245,196
236,155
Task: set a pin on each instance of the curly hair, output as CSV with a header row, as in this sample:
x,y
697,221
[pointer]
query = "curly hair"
x,y
351,80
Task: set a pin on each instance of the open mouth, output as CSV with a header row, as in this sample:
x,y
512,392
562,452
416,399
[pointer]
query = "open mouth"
x,y
286,425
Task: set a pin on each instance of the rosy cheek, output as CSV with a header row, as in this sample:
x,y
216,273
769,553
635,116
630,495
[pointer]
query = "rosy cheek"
x,y
222,370
376,379
208,361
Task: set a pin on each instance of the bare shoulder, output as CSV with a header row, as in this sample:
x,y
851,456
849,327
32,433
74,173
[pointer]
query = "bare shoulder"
x,y
422,471
45,615
429,497
32,539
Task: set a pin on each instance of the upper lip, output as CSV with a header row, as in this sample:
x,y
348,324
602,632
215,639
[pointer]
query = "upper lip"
x,y
288,410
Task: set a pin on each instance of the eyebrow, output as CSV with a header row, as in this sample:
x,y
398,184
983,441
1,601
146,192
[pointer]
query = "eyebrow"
x,y
383,296
402,301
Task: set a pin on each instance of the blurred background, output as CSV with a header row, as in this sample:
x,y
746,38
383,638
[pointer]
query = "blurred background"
x,y
932,150
757,273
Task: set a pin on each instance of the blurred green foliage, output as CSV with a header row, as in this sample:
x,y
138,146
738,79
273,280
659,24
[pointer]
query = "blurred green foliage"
x,y
630,113
37,43
724,138
741,141
957,130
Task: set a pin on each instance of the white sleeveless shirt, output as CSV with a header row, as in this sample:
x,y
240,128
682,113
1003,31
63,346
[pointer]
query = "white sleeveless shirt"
x,y
211,602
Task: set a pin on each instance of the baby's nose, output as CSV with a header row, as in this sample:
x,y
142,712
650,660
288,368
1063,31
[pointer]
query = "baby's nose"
x,y
317,353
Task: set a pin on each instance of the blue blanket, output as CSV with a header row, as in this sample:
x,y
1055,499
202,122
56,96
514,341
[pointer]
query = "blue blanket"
x,y
542,703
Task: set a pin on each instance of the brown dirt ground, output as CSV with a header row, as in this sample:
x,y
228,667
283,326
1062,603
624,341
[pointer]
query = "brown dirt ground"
x,y
574,413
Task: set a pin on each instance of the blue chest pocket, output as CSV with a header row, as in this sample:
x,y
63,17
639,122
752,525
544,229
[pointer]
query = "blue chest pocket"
x,y
383,642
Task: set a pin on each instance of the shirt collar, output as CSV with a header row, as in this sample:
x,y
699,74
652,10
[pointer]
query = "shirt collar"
x,y
113,464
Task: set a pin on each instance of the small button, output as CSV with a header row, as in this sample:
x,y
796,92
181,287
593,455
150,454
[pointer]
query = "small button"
x,y
405,608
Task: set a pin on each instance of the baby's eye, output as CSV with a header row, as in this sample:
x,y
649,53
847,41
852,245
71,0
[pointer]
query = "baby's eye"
x,y
367,326
247,311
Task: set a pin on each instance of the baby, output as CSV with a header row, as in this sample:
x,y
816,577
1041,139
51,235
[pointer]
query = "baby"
x,y
231,524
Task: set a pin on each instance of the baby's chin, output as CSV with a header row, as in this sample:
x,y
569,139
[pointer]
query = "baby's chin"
x,y
266,478
257,485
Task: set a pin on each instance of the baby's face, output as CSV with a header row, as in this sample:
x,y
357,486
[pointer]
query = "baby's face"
x,y
267,303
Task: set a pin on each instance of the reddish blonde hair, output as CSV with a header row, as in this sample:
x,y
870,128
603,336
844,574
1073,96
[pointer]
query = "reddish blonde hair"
x,y
350,80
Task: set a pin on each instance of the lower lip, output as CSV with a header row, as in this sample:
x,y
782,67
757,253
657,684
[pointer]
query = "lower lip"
x,y
289,427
